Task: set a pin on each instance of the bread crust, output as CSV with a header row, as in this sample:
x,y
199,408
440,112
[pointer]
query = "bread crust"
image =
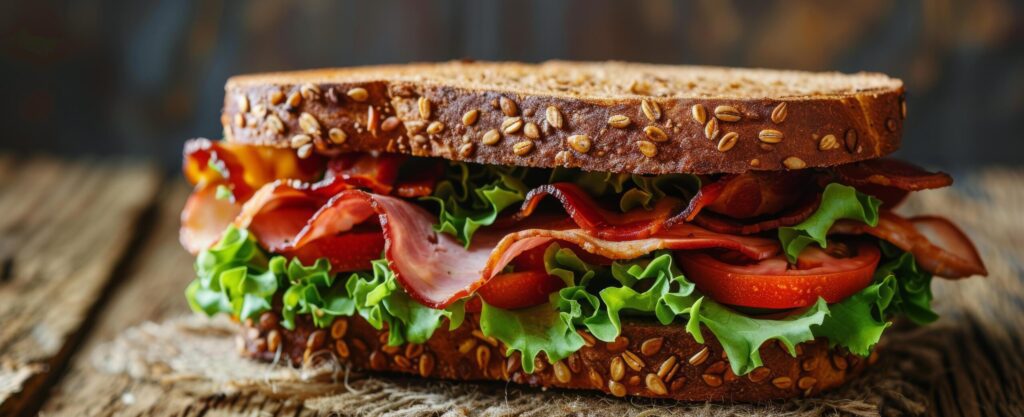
x,y
738,121
634,365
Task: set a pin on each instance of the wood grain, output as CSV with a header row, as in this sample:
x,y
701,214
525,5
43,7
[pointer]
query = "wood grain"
x,y
64,230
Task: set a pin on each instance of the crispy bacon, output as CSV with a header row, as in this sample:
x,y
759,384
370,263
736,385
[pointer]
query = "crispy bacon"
x,y
794,215
936,243
605,224
204,218
892,173
756,194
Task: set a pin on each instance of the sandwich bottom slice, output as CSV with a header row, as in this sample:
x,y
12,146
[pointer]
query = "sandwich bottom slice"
x,y
742,287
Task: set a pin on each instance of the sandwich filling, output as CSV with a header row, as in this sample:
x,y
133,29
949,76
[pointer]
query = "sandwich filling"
x,y
540,255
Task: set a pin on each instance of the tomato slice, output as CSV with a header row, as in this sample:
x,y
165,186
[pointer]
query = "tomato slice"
x,y
519,289
351,251
774,283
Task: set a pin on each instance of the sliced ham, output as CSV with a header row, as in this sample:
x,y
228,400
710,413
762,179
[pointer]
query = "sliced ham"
x,y
936,243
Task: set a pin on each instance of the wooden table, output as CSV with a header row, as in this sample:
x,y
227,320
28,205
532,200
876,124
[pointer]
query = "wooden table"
x,y
90,247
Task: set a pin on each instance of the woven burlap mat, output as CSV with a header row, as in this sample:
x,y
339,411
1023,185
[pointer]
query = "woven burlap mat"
x,y
970,359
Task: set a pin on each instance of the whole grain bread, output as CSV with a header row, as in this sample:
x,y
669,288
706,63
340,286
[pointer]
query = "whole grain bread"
x,y
612,116
648,360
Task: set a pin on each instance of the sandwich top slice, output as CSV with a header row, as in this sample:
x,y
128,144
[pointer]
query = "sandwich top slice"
x,y
680,232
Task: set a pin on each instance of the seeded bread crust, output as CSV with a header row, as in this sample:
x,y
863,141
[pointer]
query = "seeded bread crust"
x,y
648,360
613,117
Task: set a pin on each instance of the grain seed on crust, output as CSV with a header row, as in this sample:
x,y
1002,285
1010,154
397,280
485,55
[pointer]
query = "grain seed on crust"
x,y
728,141
770,136
300,140
698,114
699,357
512,124
339,328
759,374
651,346
666,366
794,163
619,121
274,124
294,101
806,382
390,123
727,114
483,357
423,104
239,120
711,129
426,365
828,142
310,92
779,113
259,110
508,106
712,380
647,148
337,136
435,127
890,124
651,110
309,124
275,97
469,117
562,372
358,94
579,143
531,130
655,384
633,360
851,141
655,133
617,389
554,117
342,348
491,137
783,382
243,103
466,150
617,369
522,148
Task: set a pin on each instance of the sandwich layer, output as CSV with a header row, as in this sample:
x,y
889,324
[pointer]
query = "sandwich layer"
x,y
647,359
610,117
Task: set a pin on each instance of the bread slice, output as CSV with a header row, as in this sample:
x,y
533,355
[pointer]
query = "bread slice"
x,y
612,116
648,360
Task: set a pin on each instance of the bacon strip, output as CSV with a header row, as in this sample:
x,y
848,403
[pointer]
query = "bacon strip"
x,y
892,173
244,168
936,243
722,224
636,224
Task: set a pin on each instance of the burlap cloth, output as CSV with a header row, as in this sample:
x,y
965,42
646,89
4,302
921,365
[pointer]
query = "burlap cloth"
x,y
919,367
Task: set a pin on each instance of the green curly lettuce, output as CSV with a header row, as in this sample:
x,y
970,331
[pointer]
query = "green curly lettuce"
x,y
899,288
837,202
380,300
312,290
232,278
473,195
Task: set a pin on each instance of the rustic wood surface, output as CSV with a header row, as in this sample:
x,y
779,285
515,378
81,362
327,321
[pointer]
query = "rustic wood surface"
x,y
89,247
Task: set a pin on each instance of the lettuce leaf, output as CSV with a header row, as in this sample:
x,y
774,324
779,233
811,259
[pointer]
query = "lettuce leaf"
x,y
837,202
473,195
380,300
532,330
899,288
233,278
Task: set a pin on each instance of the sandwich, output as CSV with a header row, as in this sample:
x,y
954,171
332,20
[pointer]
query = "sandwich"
x,y
688,233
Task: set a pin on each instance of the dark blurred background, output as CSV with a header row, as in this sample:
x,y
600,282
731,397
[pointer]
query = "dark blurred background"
x,y
140,77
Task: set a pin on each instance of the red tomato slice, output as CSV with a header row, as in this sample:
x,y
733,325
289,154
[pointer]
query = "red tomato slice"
x,y
774,283
519,289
